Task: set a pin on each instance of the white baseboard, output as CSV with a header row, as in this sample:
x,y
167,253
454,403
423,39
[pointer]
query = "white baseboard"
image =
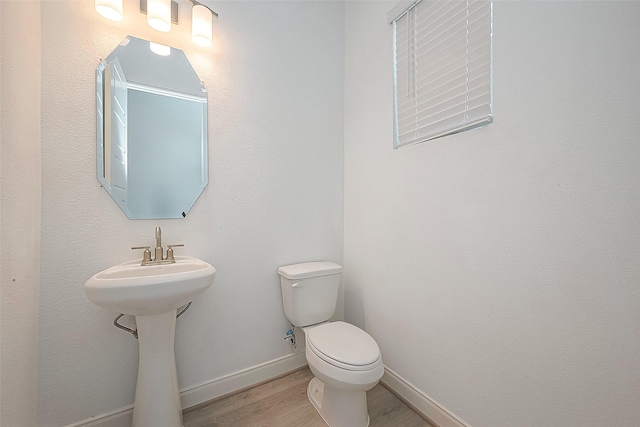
x,y
122,417
209,390
420,402
240,380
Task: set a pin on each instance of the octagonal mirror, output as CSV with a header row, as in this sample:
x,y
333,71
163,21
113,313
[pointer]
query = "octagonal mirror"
x,y
151,149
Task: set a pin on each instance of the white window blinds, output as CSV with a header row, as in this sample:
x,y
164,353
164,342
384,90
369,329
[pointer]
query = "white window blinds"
x,y
442,68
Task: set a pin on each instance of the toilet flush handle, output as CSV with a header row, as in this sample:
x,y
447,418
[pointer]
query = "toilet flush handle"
x,y
297,285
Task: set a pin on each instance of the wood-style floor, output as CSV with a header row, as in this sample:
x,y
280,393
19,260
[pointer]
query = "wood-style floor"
x,y
283,403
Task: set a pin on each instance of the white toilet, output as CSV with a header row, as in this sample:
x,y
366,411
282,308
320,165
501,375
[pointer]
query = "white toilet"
x,y
345,360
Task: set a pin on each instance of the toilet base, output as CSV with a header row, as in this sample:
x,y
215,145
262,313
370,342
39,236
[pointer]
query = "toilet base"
x,y
338,408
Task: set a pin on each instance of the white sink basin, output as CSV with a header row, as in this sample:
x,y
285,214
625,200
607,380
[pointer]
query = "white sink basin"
x,y
130,288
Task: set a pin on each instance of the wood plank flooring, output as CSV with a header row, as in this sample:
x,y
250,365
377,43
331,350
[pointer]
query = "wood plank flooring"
x,y
283,403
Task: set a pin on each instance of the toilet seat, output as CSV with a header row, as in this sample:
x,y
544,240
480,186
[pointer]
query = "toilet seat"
x,y
344,346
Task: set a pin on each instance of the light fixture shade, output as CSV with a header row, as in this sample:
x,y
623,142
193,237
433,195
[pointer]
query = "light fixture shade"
x,y
201,25
110,9
159,14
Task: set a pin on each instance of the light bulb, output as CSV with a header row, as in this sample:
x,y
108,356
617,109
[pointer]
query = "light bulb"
x,y
201,25
159,14
110,9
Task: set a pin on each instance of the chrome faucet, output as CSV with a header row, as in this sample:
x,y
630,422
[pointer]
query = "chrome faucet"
x,y
159,257
159,252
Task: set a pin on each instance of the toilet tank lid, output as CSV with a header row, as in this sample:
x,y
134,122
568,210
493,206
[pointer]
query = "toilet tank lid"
x,y
309,269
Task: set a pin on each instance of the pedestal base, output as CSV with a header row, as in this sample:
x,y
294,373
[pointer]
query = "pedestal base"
x,y
157,402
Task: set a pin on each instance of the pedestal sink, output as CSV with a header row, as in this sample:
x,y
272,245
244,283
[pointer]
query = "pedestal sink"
x,y
153,293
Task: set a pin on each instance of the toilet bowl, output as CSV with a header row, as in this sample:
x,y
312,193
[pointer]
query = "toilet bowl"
x,y
344,359
343,373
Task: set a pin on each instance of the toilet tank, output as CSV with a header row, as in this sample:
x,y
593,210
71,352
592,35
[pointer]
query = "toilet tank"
x,y
310,291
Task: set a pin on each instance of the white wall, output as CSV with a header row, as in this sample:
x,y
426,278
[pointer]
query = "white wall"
x,y
19,211
275,195
498,269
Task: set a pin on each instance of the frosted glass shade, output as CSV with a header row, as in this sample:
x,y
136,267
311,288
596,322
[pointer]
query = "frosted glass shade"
x,y
201,25
159,14
110,9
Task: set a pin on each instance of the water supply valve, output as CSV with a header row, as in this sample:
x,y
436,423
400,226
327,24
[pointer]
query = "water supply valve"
x,y
291,336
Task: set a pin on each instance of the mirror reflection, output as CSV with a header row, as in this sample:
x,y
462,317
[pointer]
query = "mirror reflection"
x,y
151,130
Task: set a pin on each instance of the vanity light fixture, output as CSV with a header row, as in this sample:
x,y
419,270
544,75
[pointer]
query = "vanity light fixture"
x,y
201,18
110,9
162,13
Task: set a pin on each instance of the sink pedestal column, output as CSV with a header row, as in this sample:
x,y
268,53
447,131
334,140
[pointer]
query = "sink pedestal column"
x,y
157,402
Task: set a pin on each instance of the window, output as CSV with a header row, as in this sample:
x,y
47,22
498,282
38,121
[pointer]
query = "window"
x,y
442,68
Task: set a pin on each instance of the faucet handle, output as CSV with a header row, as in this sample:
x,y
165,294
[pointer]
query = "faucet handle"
x,y
146,255
170,251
